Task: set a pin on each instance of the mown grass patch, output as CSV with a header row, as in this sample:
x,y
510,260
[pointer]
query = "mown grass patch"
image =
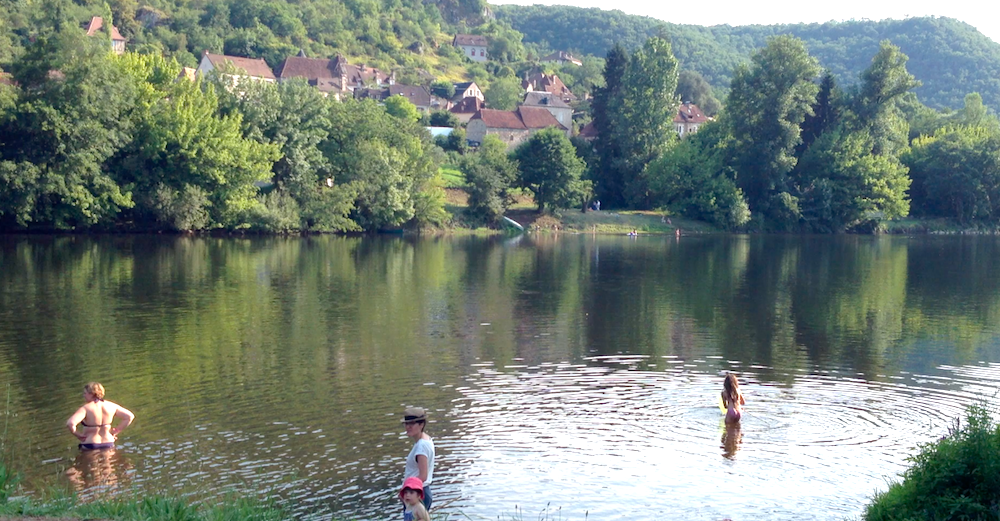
x,y
453,177
624,222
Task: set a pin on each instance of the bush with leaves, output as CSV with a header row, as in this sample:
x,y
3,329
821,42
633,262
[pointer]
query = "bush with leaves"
x,y
953,478
490,173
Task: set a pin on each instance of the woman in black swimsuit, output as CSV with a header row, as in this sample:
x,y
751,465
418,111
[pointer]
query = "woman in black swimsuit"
x,y
95,417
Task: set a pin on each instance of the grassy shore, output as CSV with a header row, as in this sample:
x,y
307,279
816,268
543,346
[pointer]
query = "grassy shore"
x,y
62,505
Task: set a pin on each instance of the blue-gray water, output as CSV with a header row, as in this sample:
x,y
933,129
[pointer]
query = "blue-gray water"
x,y
578,374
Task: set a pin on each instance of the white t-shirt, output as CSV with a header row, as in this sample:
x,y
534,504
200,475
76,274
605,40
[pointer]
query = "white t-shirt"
x,y
422,447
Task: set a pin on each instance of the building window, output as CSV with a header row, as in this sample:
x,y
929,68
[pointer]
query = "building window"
x,y
482,52
472,52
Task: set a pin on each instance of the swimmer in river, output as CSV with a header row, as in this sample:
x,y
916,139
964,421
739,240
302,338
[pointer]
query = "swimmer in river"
x,y
732,399
95,416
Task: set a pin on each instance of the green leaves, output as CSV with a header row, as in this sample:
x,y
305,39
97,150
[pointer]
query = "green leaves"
x,y
549,167
634,117
769,100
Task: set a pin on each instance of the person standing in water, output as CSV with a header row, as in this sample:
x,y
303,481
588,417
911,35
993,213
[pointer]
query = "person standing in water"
x,y
732,399
95,415
412,497
420,461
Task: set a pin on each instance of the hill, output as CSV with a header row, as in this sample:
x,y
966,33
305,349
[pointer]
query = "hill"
x,y
950,57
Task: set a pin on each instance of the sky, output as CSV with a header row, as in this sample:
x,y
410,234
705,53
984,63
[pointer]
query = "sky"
x,y
768,12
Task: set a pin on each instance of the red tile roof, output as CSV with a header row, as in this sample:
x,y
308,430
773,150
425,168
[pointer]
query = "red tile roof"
x,y
470,39
499,119
254,67
538,118
309,68
522,118
589,131
469,105
689,113
95,25
552,84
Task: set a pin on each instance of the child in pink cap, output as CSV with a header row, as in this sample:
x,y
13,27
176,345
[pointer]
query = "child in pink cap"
x,y
412,495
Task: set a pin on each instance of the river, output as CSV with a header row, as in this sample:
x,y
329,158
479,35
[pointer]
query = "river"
x,y
567,377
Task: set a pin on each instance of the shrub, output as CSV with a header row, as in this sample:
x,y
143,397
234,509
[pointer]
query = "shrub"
x,y
957,477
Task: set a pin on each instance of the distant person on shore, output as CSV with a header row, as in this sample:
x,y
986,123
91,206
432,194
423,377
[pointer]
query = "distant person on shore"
x,y
412,496
633,233
95,415
732,399
420,461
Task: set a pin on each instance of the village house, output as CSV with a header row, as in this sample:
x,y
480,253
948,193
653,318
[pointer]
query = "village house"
x,y
467,89
552,103
689,118
255,69
473,46
561,58
468,107
588,132
117,40
418,95
538,81
333,76
512,127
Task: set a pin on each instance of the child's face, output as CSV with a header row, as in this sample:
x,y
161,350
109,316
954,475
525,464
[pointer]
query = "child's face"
x,y
411,497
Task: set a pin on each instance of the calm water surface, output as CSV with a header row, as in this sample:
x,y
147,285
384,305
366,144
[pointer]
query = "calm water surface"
x,y
577,374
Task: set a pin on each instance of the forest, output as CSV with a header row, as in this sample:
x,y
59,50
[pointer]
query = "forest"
x,y
949,57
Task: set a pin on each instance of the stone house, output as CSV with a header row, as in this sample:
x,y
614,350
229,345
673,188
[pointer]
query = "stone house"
x,y
468,107
689,118
562,58
117,40
418,95
554,104
473,46
538,81
255,69
512,127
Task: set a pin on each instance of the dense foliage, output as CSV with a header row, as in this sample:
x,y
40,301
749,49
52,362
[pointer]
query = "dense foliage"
x,y
117,142
953,478
950,57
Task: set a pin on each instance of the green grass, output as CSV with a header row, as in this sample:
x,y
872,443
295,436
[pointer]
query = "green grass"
x,y
624,222
453,177
957,477
911,225
57,503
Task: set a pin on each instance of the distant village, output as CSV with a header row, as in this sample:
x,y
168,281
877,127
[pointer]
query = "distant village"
x,y
547,101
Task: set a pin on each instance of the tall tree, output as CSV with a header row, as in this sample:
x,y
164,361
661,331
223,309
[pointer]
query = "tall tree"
x,y
825,114
646,115
634,115
608,181
768,101
875,105
549,167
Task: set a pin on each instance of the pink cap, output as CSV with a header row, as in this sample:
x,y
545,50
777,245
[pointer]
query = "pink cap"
x,y
413,483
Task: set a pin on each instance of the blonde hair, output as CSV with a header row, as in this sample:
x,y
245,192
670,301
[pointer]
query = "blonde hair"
x,y
96,389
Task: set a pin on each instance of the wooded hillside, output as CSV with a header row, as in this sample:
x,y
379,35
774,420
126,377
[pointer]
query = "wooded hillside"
x,y
950,57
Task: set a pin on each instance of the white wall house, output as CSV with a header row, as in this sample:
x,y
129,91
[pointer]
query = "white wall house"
x,y
473,46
